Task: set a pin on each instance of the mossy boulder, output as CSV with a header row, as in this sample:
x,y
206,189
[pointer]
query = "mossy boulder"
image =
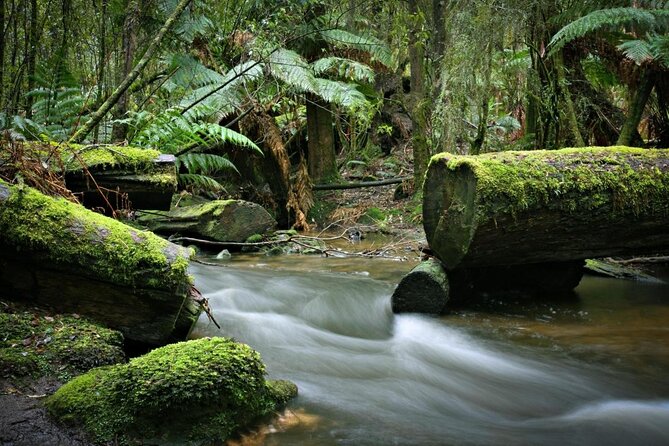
x,y
34,344
194,392
218,220
59,254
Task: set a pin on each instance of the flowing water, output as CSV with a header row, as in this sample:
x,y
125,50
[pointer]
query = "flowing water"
x,y
588,370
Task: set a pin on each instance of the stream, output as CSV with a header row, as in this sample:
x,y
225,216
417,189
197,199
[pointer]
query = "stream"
x,y
588,370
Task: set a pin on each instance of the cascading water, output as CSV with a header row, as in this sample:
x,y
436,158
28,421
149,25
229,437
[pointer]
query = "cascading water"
x,y
373,378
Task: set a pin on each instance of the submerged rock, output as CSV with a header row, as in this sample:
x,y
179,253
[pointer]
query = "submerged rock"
x,y
196,392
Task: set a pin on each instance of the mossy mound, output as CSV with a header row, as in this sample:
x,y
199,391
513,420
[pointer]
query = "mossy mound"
x,y
33,344
191,392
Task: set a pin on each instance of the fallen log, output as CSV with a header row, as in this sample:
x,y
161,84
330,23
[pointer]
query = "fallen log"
x,y
118,176
514,208
58,254
219,220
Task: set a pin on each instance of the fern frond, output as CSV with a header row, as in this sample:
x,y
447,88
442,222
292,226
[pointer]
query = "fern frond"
x,y
607,18
225,100
344,69
637,50
367,43
292,69
195,181
659,45
341,93
205,163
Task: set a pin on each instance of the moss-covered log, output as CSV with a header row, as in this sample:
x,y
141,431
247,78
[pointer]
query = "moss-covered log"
x,y
546,206
143,177
59,254
220,220
196,392
424,290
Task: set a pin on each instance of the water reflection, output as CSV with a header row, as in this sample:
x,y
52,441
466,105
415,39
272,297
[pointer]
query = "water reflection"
x,y
473,377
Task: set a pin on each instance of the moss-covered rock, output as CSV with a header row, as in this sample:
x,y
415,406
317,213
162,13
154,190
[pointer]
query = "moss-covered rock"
x,y
219,220
34,344
191,392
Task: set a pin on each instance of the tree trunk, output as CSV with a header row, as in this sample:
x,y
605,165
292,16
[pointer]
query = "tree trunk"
x,y
57,254
31,57
320,140
636,108
219,220
572,120
96,117
546,206
2,55
417,101
102,56
129,46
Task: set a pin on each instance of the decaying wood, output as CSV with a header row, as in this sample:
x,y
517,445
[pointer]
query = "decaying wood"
x,y
546,206
360,184
57,254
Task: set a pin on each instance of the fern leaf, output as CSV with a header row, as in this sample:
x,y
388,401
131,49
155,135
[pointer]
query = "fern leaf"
x,y
344,69
292,69
637,50
341,93
603,18
205,163
195,181
367,43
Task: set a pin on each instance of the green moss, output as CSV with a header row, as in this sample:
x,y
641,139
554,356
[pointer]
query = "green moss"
x,y
255,238
100,157
202,390
69,233
571,180
33,344
373,215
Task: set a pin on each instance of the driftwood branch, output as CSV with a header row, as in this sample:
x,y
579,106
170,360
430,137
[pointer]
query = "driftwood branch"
x,y
359,184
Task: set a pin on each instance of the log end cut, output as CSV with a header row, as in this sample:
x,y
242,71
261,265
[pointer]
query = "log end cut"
x,y
424,290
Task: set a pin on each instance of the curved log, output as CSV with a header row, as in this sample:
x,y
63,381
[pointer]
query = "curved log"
x,y
514,208
58,254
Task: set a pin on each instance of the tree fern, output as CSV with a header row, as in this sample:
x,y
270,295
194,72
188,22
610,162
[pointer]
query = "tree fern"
x,y
612,19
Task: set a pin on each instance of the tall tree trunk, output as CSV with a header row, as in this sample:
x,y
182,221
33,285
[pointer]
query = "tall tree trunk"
x,y
637,104
96,117
417,104
102,55
2,55
569,104
320,141
130,26
31,57
662,90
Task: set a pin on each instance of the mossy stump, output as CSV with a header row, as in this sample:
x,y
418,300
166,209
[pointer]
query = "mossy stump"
x,y
58,254
514,208
219,220
194,392
424,290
